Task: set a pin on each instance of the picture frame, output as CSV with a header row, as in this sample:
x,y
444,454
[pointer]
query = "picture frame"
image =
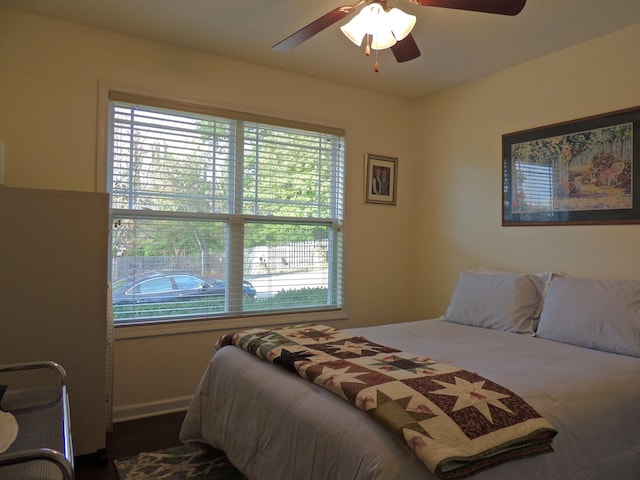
x,y
580,172
381,179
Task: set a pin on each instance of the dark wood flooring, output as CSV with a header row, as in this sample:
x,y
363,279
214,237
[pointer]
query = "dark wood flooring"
x,y
129,438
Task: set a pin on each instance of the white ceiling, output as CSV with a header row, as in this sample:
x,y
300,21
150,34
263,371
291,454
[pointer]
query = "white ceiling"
x,y
457,46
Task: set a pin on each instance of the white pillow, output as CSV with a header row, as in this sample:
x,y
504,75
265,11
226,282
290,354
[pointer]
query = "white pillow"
x,y
598,314
540,279
502,301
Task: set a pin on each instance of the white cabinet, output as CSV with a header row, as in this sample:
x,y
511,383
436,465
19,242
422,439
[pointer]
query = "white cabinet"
x,y
53,295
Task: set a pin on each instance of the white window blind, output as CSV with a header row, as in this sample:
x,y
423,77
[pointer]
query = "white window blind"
x,y
219,214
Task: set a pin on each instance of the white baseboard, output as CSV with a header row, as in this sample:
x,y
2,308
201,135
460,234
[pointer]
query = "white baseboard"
x,y
151,409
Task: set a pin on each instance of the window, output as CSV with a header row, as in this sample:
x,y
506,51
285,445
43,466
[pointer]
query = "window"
x,y
158,285
221,214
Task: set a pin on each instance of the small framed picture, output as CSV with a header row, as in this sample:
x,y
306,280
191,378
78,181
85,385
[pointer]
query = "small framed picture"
x,y
381,179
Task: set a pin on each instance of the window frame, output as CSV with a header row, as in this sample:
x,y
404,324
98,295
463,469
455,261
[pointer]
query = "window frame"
x,y
246,319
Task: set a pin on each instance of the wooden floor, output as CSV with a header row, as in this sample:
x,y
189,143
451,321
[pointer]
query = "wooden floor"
x,y
129,438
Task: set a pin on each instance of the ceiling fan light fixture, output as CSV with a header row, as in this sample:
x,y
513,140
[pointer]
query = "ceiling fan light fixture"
x,y
355,30
401,23
370,20
380,42
385,27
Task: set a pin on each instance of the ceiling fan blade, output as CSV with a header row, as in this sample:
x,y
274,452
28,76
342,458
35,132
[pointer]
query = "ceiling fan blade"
x,y
406,49
500,7
315,27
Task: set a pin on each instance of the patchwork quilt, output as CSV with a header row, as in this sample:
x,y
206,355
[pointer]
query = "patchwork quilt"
x,y
455,421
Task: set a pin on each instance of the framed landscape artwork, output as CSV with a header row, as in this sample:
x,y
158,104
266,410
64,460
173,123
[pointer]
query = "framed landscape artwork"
x,y
581,172
381,179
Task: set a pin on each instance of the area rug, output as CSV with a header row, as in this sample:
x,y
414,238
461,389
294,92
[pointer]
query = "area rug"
x,y
177,463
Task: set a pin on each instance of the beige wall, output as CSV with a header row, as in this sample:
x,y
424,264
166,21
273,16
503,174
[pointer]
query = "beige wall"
x,y
460,165
449,146
49,74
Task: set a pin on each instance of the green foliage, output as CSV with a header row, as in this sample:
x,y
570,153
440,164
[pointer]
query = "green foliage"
x,y
156,312
269,234
157,237
289,299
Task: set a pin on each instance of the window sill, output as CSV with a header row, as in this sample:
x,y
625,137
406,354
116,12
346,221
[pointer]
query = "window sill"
x,y
127,332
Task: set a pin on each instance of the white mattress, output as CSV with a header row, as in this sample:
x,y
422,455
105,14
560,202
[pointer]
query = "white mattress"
x,y
274,425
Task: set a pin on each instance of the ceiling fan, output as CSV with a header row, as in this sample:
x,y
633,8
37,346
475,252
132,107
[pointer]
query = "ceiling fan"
x,y
404,48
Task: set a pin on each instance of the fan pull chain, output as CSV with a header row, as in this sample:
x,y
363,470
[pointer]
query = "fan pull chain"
x,y
367,51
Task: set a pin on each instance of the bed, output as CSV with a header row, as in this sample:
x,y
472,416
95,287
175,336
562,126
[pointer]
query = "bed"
x,y
569,347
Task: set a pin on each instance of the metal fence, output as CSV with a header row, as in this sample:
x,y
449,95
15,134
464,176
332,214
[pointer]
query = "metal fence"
x,y
262,260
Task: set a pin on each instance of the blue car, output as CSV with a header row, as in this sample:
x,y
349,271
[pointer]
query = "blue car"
x,y
170,287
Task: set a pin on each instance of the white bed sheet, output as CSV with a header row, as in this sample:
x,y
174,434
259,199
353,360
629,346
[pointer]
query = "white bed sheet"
x,y
273,425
